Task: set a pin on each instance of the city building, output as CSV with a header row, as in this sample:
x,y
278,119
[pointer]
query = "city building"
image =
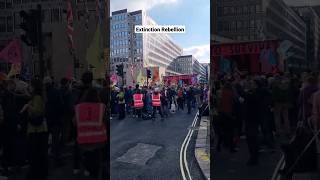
x,y
57,58
138,51
251,20
188,64
312,20
206,67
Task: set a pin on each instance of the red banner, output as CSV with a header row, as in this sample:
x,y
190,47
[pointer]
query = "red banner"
x,y
231,49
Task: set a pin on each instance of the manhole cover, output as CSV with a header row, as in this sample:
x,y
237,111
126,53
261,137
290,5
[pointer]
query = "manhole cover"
x,y
139,154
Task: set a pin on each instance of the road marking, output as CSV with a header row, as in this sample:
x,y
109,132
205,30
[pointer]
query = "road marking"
x,y
183,151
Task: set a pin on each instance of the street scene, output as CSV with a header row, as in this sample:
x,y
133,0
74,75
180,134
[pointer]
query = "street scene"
x,y
159,91
264,89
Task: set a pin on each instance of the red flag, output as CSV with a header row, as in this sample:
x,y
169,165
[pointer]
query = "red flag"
x,y
70,26
12,53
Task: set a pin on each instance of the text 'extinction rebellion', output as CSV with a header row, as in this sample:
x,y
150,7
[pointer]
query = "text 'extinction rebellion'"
x,y
159,29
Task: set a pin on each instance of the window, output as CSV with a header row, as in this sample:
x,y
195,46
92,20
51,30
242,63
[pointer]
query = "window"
x,y
252,24
55,16
239,25
2,24
9,24
9,4
2,4
252,9
258,8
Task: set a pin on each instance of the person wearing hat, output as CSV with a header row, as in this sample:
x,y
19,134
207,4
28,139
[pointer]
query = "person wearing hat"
x,y
156,103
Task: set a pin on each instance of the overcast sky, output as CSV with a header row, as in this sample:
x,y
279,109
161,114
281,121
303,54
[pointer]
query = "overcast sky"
x,y
303,2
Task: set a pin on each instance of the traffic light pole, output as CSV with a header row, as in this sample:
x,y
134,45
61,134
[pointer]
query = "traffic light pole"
x,y
40,43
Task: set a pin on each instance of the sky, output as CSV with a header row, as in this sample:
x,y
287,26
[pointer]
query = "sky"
x,y
195,16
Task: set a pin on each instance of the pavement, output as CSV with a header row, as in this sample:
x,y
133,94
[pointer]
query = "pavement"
x,y
202,149
146,150
232,166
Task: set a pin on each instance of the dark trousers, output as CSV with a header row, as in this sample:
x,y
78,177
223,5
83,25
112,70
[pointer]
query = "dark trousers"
x,y
155,108
252,140
56,132
95,161
180,103
122,113
266,127
189,106
227,131
38,156
138,112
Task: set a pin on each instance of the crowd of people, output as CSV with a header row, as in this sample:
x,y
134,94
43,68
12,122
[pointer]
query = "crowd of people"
x,y
263,109
143,102
40,119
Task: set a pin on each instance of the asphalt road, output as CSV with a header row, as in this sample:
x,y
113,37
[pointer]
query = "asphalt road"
x,y
232,166
146,150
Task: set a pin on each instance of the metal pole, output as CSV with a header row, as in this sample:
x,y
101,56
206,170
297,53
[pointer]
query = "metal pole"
x,y
40,43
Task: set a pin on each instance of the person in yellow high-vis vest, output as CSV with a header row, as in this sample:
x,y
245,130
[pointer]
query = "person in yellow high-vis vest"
x,y
156,103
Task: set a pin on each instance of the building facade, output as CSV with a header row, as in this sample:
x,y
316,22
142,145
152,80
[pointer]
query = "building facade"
x,y
140,50
188,64
312,20
250,20
58,61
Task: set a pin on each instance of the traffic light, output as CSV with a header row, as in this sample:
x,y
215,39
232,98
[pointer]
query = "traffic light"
x,y
120,70
30,24
148,73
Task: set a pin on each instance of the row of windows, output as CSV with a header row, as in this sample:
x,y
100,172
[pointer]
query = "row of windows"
x,y
120,51
120,26
239,10
119,17
6,24
115,43
120,34
239,25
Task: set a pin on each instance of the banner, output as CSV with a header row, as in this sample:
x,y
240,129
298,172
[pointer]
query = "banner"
x,y
12,53
155,74
232,49
95,57
140,79
15,69
114,79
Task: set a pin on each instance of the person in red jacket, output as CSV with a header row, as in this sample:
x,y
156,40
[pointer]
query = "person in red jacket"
x,y
138,103
156,103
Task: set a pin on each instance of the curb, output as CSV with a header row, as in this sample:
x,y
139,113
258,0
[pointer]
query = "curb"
x,y
202,148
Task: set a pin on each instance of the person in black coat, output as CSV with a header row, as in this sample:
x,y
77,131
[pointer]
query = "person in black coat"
x,y
252,122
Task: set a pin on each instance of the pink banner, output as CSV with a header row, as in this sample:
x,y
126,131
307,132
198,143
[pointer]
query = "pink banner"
x,y
12,53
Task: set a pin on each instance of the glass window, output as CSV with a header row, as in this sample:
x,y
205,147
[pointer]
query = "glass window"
x,y
2,24
9,24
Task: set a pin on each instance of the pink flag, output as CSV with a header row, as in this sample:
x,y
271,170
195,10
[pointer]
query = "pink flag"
x,y
12,53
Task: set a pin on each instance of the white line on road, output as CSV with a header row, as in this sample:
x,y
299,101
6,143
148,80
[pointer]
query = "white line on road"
x,y
183,151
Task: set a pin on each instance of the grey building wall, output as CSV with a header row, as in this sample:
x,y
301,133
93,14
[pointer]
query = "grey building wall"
x,y
56,55
140,50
